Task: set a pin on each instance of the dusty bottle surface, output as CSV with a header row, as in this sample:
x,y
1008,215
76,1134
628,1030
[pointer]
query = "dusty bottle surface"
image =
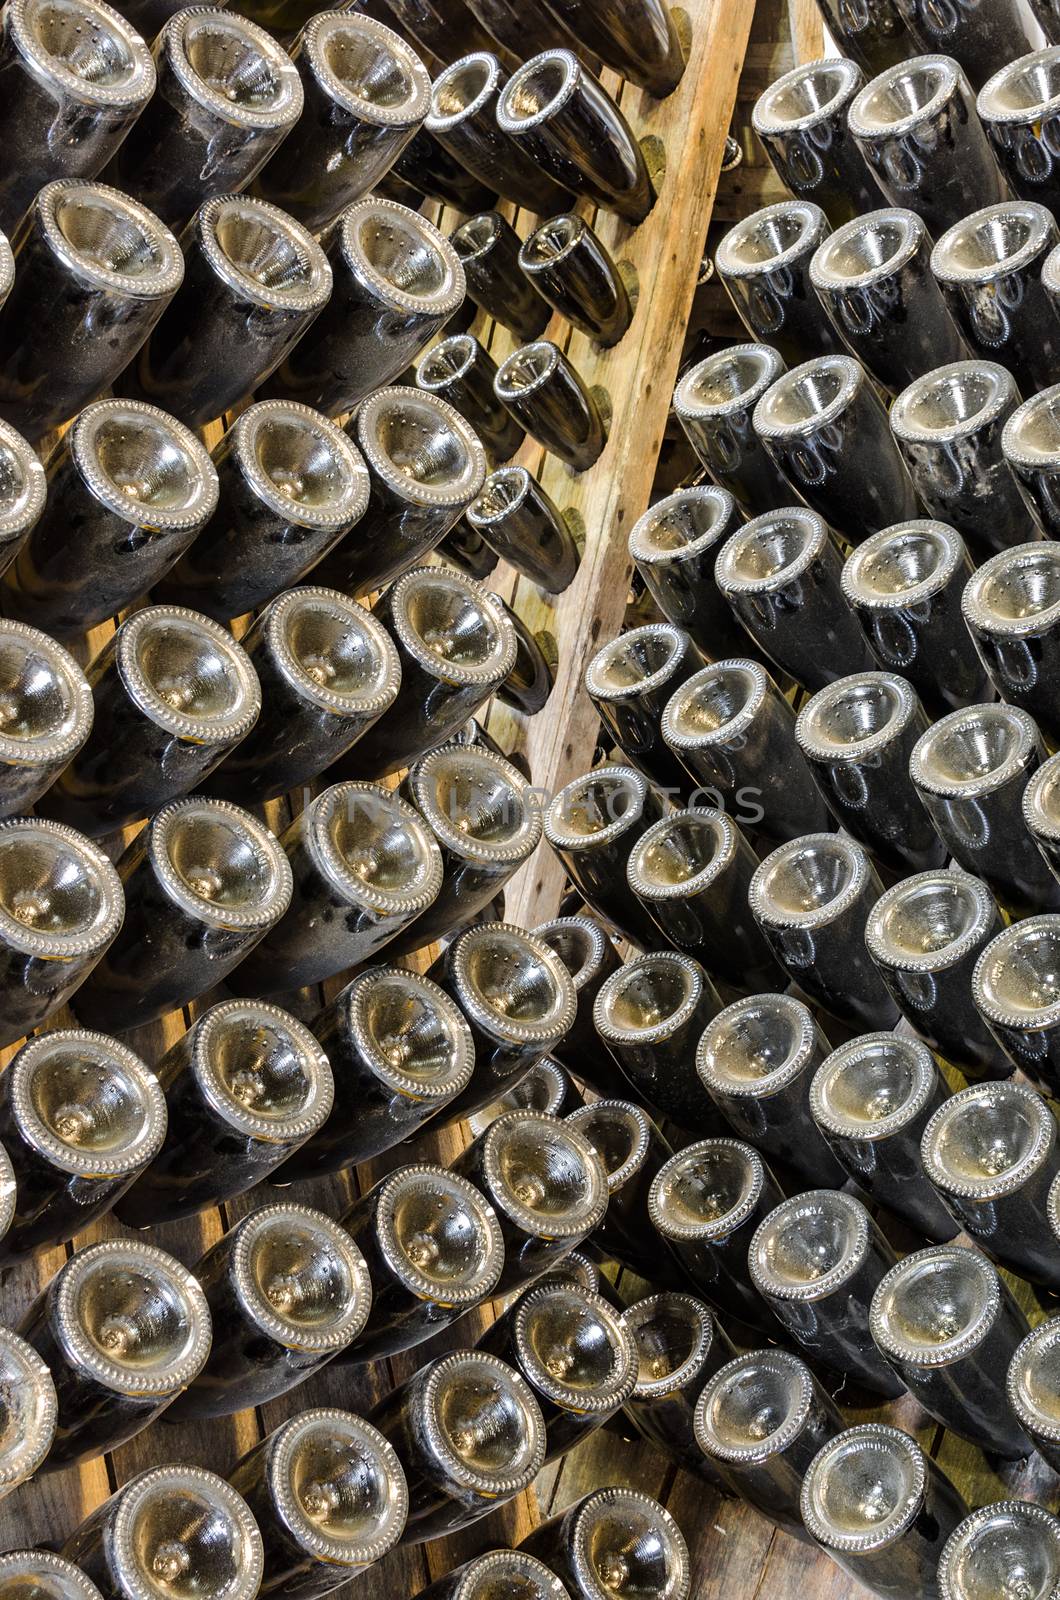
x,y
123,1328
400,1051
615,1531
83,1116
546,1184
574,1351
679,1345
469,1435
288,1290
245,1087
329,1496
174,1519
434,1249
949,1327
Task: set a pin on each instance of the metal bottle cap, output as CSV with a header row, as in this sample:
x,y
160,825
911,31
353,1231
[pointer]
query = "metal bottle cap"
x,y
1041,802
41,1575
757,1046
804,96
478,805
1031,436
447,625
1014,983
952,402
338,1487
596,808
809,1246
23,487
411,1032
873,1086
131,1318
673,1334
233,68
8,1192
864,1488
1024,91
930,922
809,882
219,864
109,241
188,675
264,256
706,1190
367,68
936,1306
1010,1538
996,240
262,1072
402,259
374,849
66,52
187,1524
502,494
147,468
573,1348
482,1423
973,752
87,1104
620,1133
649,998
545,1088
770,239
438,1235
809,397
754,1407
45,702
622,1539
528,369
30,1413
903,565
512,986
421,447
462,89
300,1278
731,380
60,897
332,650
543,1175
580,943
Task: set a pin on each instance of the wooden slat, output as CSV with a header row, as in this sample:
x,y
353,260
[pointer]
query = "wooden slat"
x,y
736,1554
638,375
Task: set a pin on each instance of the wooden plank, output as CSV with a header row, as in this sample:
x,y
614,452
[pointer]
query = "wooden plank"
x,y
638,375
806,29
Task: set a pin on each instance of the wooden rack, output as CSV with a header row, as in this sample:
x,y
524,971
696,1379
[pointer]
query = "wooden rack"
x,y
684,138
736,49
